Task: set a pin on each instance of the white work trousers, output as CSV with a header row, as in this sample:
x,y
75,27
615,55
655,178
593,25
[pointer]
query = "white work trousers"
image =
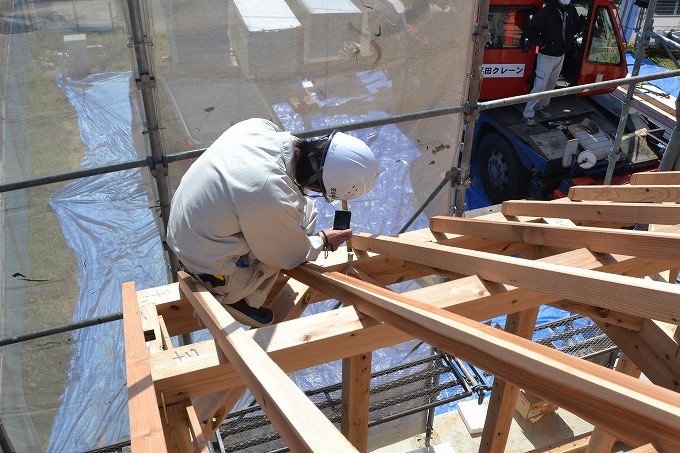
x,y
548,70
254,282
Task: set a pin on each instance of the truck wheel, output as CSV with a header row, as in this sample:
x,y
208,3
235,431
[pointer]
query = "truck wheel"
x,y
502,173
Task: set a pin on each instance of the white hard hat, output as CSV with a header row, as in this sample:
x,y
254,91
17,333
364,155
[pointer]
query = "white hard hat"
x,y
349,167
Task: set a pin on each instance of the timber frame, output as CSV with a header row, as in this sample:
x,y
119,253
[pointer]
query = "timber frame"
x,y
571,253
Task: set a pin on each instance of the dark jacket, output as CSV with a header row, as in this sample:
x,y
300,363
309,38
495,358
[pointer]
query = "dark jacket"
x,y
545,29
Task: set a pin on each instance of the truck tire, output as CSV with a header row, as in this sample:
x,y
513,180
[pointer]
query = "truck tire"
x,y
502,173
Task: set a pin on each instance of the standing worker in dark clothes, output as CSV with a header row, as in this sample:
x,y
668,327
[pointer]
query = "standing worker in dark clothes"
x,y
552,29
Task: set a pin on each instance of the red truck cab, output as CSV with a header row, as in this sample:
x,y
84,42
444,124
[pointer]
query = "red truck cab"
x,y
509,60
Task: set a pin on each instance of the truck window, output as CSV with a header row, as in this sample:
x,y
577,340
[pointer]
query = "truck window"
x,y
604,41
506,26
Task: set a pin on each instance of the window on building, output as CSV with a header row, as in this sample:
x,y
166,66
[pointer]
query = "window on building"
x,y
667,8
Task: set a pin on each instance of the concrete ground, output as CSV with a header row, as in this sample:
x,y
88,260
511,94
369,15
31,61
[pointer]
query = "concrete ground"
x,y
450,435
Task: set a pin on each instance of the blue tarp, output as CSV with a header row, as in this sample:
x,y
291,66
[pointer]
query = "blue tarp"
x,y
669,85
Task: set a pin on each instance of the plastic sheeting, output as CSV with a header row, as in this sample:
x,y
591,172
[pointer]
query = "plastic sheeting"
x,y
109,224
669,85
110,227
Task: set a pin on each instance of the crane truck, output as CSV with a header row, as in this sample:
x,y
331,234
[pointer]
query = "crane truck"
x,y
514,160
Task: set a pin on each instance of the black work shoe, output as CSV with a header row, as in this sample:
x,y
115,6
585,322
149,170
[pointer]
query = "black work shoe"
x,y
245,314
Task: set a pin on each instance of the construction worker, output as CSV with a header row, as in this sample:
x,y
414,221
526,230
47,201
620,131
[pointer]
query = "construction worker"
x,y
552,29
240,213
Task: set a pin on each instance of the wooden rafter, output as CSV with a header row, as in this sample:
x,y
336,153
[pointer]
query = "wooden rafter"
x,y
296,418
603,211
602,396
508,263
656,178
625,242
626,194
638,297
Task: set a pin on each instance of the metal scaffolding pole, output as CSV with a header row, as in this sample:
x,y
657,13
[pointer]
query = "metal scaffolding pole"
x,y
396,119
481,34
615,152
146,83
669,161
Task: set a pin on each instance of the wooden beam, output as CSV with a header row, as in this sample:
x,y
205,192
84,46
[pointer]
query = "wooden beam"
x,y
341,333
576,444
146,430
212,409
648,448
636,411
290,301
652,349
656,178
626,242
504,394
638,297
626,193
623,213
299,422
356,397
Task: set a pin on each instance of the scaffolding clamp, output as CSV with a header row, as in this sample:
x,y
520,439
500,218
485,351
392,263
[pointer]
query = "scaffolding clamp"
x,y
145,81
156,166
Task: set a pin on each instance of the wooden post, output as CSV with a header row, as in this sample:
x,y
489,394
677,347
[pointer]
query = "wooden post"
x,y
601,441
356,396
504,394
146,430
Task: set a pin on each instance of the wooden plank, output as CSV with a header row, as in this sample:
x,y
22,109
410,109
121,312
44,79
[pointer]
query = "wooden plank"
x,y
341,333
626,193
652,349
504,394
638,297
211,410
356,396
146,430
177,430
576,444
636,411
648,448
623,213
626,242
165,336
199,438
601,441
299,422
656,178
290,301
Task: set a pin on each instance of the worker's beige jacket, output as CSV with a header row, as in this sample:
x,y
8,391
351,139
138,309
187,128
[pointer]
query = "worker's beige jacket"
x,y
239,200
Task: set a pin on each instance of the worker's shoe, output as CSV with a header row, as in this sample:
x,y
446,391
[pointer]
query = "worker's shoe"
x,y
529,121
544,113
245,314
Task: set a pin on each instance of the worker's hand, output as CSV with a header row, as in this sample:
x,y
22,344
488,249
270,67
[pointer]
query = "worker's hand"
x,y
335,237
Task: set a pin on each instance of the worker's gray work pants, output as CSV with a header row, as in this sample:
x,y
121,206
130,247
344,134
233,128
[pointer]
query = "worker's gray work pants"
x,y
547,72
252,279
